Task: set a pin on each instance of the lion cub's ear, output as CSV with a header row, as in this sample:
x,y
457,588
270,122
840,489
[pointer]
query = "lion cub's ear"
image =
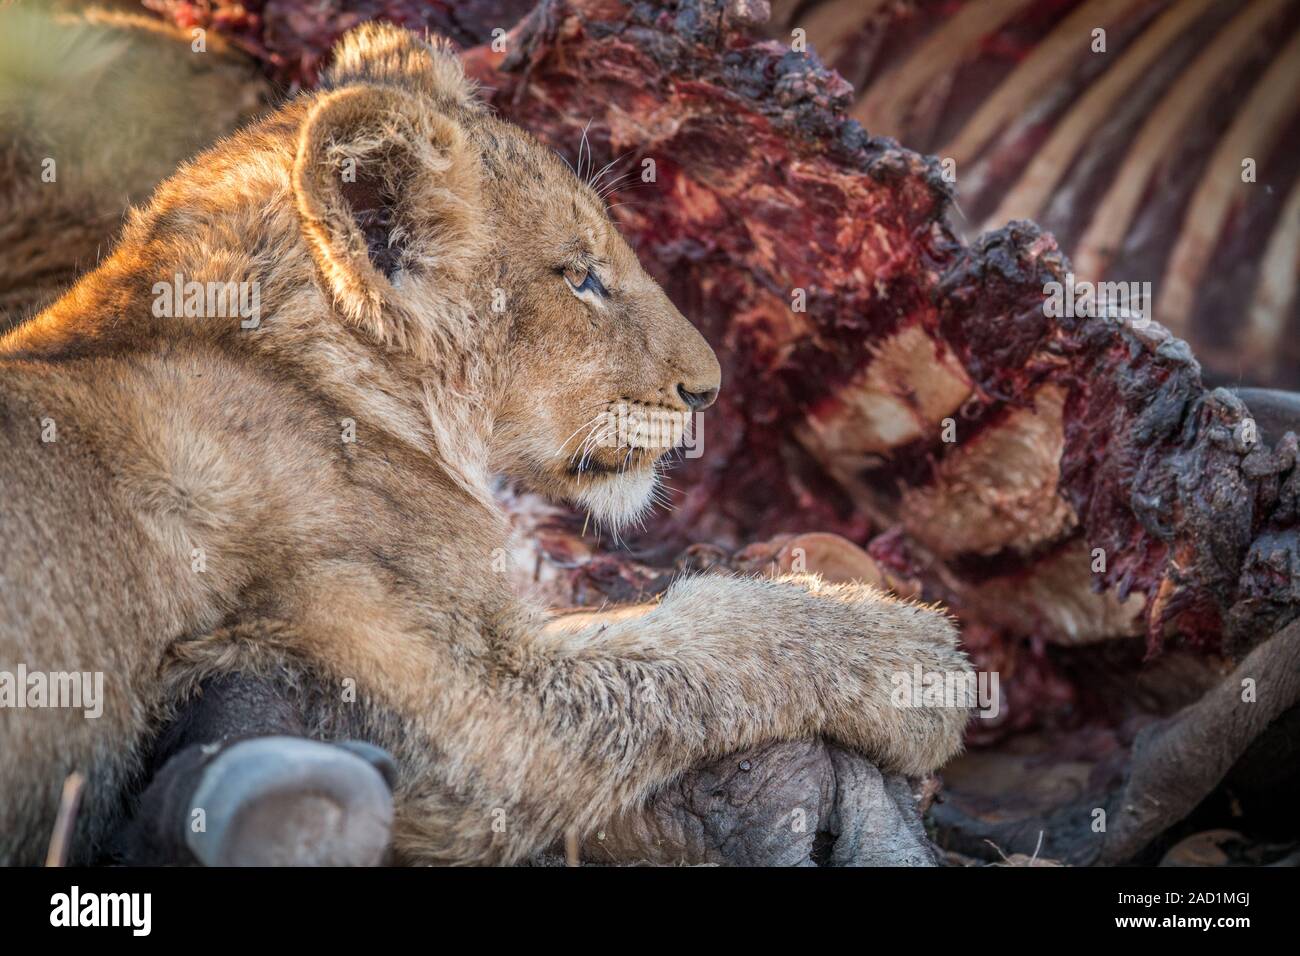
x,y
381,54
390,197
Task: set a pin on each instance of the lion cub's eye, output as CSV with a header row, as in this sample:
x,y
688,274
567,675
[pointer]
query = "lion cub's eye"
x,y
583,281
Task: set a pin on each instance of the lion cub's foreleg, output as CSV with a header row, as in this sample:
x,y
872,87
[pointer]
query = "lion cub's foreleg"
x,y
577,724
510,733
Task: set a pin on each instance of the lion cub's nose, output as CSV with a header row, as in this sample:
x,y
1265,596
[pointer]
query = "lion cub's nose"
x,y
697,400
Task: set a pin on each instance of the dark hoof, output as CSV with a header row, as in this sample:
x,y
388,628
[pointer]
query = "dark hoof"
x,y
377,757
286,801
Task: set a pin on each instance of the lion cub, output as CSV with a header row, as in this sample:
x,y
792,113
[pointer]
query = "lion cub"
x,y
259,438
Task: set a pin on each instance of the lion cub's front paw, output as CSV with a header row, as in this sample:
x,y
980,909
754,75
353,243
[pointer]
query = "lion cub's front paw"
x,y
854,660
898,686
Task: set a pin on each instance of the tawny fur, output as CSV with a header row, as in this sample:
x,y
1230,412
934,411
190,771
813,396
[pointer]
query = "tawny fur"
x,y
204,509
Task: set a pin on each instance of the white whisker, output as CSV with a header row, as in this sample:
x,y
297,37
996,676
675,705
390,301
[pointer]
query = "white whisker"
x,y
587,424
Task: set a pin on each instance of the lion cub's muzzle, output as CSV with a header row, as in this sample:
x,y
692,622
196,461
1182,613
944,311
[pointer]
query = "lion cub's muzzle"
x,y
629,435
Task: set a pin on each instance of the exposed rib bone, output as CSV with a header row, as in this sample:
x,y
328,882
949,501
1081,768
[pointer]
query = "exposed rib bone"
x,y
833,26
998,490
885,105
1252,134
1051,58
912,382
1026,199
1055,594
1275,294
1155,141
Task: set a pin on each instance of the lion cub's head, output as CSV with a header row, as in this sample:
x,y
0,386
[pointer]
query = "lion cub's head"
x,y
441,229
